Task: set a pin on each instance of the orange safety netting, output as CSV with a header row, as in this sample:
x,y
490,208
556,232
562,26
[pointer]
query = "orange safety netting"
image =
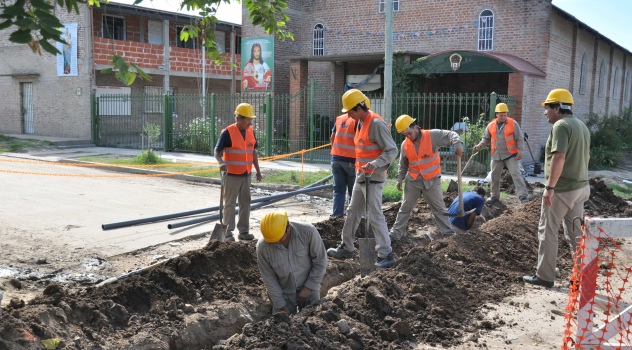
x,y
597,315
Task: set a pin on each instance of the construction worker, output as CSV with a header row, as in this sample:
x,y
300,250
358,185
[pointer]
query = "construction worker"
x,y
292,261
420,165
566,190
474,199
375,149
236,154
342,161
507,144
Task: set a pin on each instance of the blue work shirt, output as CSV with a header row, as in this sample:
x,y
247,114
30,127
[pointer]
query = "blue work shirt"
x,y
471,200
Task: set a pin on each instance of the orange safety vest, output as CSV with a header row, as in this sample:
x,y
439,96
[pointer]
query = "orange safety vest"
x,y
422,161
510,140
239,156
365,150
343,144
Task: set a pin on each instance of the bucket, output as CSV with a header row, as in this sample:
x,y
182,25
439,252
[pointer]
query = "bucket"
x,y
537,168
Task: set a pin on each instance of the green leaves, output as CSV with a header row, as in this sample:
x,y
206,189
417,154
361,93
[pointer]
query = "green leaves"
x,y
125,72
21,36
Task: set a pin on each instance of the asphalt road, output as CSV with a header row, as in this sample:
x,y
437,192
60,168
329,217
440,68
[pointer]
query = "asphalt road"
x,y
55,212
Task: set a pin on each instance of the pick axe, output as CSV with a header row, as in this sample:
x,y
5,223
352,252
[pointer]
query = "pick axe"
x,y
462,211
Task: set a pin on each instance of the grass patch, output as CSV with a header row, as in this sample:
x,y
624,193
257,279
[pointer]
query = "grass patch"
x,y
390,193
623,191
18,145
293,177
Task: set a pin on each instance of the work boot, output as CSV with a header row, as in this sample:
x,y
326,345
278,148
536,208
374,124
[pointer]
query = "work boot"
x,y
245,236
534,279
229,237
491,200
340,252
386,262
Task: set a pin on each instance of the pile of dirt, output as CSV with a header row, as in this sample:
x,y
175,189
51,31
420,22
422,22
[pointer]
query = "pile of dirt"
x,y
215,297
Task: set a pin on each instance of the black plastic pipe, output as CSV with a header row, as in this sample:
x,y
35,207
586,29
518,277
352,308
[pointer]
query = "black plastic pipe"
x,y
265,201
122,224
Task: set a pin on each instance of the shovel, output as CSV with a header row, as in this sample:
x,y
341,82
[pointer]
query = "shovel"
x,y
462,211
367,244
220,229
537,168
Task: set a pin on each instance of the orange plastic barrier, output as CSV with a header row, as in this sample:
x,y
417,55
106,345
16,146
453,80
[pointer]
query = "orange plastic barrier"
x,y
604,320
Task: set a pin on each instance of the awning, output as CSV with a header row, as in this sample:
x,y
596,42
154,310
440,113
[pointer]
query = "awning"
x,y
358,57
469,61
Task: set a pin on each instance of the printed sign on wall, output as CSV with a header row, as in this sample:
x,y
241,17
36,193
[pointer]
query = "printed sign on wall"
x,y
67,60
257,64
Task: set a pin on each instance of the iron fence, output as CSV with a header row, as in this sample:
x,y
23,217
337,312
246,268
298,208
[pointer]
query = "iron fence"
x,y
285,123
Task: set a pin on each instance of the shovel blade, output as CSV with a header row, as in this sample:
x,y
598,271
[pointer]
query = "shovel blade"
x,y
367,255
452,186
218,232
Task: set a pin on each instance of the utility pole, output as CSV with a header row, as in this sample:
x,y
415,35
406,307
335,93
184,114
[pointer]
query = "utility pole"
x,y
388,62
203,75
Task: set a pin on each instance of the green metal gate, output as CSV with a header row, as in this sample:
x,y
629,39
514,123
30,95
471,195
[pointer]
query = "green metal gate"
x,y
285,123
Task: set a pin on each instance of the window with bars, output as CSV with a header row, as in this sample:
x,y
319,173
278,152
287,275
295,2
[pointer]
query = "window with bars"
x,y
113,27
583,71
616,84
319,40
602,79
189,44
382,8
486,31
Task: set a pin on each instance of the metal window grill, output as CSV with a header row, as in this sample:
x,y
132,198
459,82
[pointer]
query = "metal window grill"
x,y
319,40
486,31
381,7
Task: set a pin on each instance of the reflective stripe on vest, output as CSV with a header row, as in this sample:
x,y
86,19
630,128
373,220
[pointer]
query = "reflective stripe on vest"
x,y
422,161
365,150
508,131
343,144
239,156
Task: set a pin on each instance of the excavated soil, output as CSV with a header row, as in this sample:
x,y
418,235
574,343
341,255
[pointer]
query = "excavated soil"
x,y
214,297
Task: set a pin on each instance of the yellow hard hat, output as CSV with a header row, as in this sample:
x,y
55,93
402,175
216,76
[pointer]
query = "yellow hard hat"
x,y
273,226
352,98
403,122
561,96
502,108
245,110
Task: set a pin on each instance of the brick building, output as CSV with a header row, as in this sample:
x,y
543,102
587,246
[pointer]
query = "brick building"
x,y
515,47
37,97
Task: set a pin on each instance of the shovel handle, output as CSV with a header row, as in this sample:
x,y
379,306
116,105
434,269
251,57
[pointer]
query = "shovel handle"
x,y
367,181
222,177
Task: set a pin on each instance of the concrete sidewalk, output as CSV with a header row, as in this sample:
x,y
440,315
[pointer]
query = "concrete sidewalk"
x,y
71,152
78,152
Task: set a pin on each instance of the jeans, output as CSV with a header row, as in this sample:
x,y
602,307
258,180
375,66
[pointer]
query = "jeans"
x,y
344,177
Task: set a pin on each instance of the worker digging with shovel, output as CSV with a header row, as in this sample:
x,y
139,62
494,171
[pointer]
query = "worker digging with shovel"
x,y
375,149
420,165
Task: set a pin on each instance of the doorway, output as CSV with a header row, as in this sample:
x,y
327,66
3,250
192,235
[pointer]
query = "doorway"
x,y
26,91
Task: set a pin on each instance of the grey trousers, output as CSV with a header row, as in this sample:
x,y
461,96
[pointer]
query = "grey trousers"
x,y
434,197
564,208
377,221
236,188
513,167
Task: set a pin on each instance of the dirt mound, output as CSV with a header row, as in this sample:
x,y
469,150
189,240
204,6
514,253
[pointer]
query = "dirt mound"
x,y
603,202
433,296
